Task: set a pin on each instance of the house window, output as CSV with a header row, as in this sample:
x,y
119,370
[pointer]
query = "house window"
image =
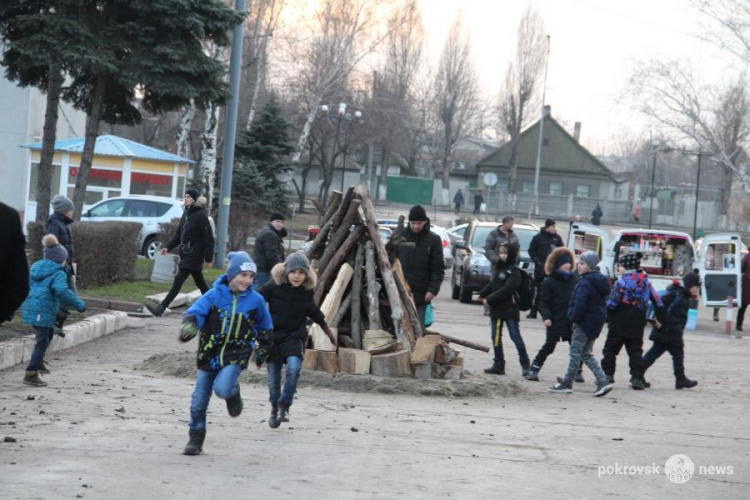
x,y
583,190
527,187
151,184
545,142
556,188
618,193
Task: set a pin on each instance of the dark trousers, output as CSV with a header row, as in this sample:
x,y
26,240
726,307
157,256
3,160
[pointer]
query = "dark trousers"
x,y
43,336
634,348
678,358
537,287
741,314
547,349
179,279
64,310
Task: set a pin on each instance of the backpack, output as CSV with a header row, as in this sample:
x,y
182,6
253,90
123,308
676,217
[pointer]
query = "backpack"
x,y
525,291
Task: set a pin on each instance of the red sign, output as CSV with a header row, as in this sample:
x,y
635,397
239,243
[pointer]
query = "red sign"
x,y
95,173
153,179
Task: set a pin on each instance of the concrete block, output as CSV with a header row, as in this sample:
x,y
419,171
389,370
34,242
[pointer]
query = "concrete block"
x,y
12,352
193,296
110,323
100,325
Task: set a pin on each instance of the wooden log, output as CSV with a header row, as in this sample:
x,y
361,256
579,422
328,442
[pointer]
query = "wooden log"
x,y
423,371
448,372
325,361
354,361
373,288
338,217
345,341
459,361
330,307
424,350
341,234
465,343
397,312
320,238
319,206
331,270
376,341
356,294
407,300
333,204
445,354
345,304
392,364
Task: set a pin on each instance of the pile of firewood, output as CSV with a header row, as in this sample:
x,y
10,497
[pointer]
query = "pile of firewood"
x,y
366,301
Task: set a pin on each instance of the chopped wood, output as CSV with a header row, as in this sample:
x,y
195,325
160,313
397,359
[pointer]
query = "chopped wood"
x,y
333,204
345,341
373,288
445,354
341,312
330,271
325,361
320,238
339,217
354,361
319,206
392,364
448,372
424,371
377,340
340,234
330,307
466,343
356,294
424,350
407,299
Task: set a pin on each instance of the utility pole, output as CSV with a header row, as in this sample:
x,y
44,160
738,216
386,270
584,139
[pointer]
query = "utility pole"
x,y
230,135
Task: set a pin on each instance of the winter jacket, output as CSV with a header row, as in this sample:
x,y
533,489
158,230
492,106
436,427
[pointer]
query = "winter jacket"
x,y
269,249
458,199
676,305
596,215
229,324
628,303
541,246
421,257
493,241
195,238
14,268
554,295
478,200
588,303
290,307
746,278
49,285
59,225
502,290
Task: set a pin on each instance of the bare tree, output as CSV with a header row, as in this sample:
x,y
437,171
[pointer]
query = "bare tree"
x,y
519,93
455,94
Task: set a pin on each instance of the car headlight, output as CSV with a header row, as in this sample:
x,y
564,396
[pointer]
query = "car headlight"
x,y
478,259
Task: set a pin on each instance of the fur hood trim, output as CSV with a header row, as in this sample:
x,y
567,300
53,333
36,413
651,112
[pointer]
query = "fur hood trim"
x,y
549,264
278,273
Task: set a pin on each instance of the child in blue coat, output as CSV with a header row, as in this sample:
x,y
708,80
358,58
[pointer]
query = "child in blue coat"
x,y
48,287
229,318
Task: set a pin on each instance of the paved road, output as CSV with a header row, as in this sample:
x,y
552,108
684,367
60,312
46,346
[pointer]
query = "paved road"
x,y
104,430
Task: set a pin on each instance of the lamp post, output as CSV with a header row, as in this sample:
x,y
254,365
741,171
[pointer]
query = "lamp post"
x,y
341,114
700,153
655,144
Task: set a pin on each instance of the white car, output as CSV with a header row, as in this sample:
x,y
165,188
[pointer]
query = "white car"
x,y
150,211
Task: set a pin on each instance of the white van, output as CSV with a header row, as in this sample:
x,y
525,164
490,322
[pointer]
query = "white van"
x,y
668,255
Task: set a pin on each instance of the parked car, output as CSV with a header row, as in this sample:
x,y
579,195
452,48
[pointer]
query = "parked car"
x,y
149,211
471,269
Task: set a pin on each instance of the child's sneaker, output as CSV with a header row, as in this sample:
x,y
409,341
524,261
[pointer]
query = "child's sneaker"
x,y
32,378
43,369
561,387
602,388
533,374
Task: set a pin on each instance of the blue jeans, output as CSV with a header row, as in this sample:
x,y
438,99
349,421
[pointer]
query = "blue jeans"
x,y
261,278
43,335
581,349
222,381
496,332
678,358
276,395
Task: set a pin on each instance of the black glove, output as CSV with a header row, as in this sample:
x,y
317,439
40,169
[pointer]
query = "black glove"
x,y
188,328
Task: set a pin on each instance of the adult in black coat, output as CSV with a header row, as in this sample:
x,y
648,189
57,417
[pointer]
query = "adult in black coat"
x,y
196,241
596,215
269,248
14,268
421,257
58,224
541,245
502,234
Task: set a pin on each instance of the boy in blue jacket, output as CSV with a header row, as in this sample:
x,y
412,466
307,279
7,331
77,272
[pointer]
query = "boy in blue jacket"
x,y
587,312
48,287
229,318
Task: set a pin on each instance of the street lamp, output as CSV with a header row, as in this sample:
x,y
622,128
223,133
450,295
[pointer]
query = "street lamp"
x,y
700,153
668,147
348,118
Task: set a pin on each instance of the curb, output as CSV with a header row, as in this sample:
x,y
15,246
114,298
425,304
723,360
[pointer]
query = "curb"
x,y
17,351
117,305
180,300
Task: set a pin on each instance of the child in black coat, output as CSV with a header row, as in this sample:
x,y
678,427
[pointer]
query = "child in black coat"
x,y
667,337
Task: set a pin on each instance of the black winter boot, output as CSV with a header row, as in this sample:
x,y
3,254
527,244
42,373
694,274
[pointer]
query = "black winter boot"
x,y
283,412
685,383
524,368
273,420
533,374
637,383
497,368
234,404
195,445
157,310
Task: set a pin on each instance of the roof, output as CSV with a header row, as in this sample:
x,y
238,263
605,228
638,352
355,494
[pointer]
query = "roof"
x,y
111,145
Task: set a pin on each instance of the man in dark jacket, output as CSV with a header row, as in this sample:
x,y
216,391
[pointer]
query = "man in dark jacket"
x,y
596,215
421,257
196,241
502,234
541,246
58,224
269,249
14,268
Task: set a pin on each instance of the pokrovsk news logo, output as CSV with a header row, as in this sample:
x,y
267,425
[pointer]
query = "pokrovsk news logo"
x,y
678,468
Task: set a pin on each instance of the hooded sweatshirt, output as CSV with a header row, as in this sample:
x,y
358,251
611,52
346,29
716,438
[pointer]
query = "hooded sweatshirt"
x,y
48,286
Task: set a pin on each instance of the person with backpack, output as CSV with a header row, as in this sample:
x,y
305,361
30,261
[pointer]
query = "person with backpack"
x,y
667,336
587,312
502,297
627,307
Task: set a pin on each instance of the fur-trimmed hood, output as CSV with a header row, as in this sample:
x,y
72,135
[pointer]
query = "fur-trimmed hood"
x,y
549,264
278,273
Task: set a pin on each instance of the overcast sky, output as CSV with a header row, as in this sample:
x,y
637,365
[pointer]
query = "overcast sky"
x,y
594,45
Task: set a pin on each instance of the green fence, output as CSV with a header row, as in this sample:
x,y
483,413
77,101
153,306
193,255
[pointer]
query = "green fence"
x,y
410,190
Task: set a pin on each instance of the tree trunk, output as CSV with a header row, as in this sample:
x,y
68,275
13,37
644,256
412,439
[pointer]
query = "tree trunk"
x,y
209,148
92,131
384,160
183,134
446,157
297,154
49,136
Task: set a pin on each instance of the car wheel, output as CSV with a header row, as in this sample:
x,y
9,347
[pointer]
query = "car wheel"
x,y
464,294
455,289
151,247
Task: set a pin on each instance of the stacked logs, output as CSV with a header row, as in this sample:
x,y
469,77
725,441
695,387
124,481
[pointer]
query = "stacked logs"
x,y
364,296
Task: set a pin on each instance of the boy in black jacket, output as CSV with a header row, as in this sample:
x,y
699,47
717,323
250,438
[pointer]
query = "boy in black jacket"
x,y
667,337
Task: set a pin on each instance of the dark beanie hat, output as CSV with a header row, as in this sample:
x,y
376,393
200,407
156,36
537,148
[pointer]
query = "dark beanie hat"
x,y
563,259
297,261
691,279
62,204
53,250
631,260
548,223
276,216
417,214
194,194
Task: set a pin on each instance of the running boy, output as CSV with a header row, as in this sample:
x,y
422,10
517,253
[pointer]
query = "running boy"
x,y
48,287
668,335
501,295
627,306
228,317
587,312
289,295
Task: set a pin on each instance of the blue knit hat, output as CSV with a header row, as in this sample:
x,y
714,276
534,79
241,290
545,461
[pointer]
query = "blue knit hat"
x,y
240,262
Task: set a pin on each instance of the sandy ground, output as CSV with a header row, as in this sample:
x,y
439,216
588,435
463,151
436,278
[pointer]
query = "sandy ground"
x,y
113,422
